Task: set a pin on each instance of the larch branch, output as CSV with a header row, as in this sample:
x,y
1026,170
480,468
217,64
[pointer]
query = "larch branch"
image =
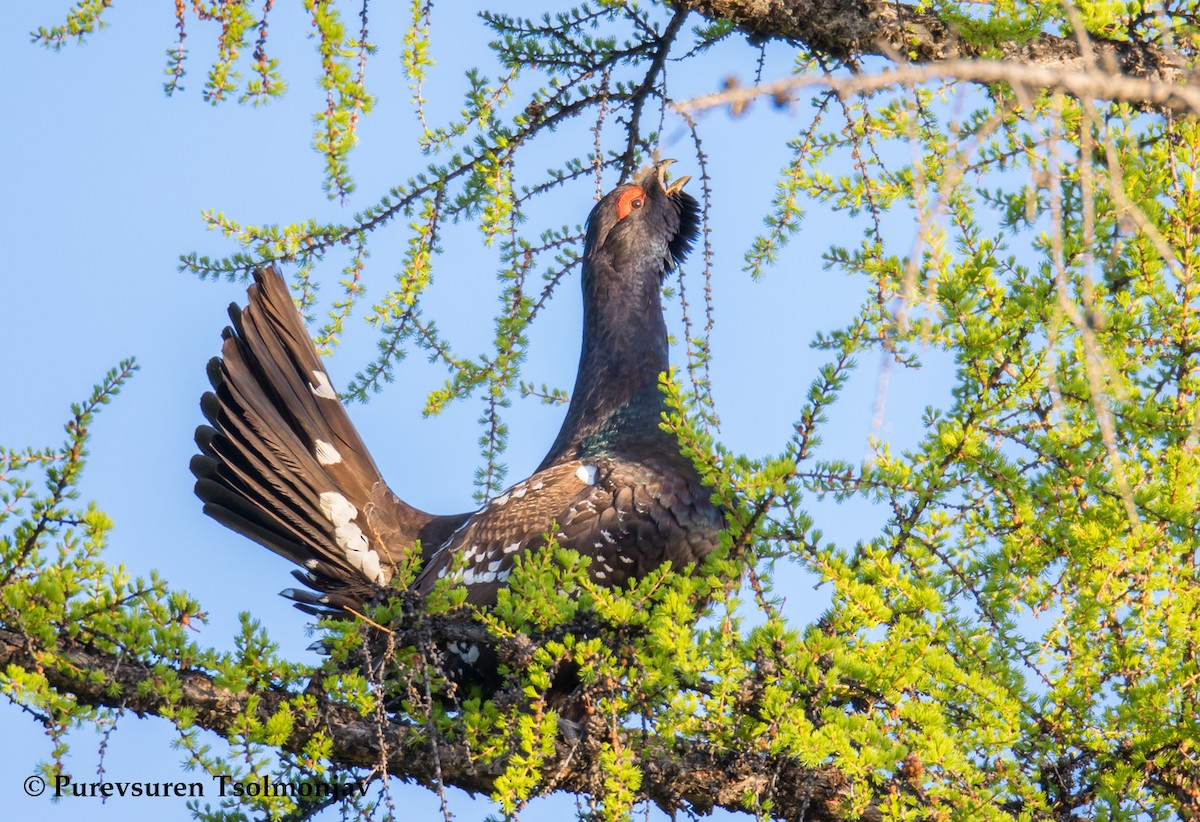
x,y
676,774
850,28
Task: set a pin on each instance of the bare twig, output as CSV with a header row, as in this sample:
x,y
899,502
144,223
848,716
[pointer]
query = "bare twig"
x,y
1089,84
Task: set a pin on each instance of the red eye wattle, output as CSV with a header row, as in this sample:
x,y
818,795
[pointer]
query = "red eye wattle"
x,y
629,200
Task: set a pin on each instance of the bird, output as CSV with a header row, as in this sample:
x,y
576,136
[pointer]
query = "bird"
x,y
280,460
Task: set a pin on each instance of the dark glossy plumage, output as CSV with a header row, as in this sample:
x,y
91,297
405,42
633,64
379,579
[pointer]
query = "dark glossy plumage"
x,y
281,462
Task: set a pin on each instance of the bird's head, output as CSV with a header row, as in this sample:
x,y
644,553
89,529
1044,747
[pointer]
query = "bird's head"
x,y
647,224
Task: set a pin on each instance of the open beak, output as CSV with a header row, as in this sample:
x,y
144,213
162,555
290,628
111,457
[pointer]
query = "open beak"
x,y
673,188
678,185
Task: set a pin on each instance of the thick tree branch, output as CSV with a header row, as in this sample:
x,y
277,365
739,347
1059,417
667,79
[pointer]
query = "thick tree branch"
x,y
675,775
844,28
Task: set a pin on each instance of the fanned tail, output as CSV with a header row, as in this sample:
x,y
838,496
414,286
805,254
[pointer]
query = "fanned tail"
x,y
282,464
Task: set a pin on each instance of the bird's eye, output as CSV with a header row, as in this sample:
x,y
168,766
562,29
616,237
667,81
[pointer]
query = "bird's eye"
x,y
629,200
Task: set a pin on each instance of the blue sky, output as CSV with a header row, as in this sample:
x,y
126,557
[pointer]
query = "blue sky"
x,y
105,182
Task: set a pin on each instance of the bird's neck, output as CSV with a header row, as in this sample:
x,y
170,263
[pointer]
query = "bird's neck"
x,y
616,402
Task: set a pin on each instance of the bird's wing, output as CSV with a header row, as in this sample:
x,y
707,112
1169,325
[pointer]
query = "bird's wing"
x,y
628,518
282,464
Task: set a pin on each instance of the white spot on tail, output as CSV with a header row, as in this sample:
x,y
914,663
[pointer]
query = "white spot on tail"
x,y
326,454
350,538
323,388
586,473
336,508
371,568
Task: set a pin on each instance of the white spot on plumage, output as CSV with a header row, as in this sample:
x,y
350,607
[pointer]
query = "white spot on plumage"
x,y
371,567
367,562
581,507
350,537
608,537
336,508
323,388
625,559
586,473
501,576
469,654
600,575
311,564
484,577
511,549
519,491
500,500
494,565
325,453
538,486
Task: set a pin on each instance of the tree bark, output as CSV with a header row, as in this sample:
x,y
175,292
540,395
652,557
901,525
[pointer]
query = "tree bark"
x,y
850,28
678,775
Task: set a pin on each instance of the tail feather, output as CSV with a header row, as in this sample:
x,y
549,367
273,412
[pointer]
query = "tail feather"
x,y
257,443
224,506
267,461
279,343
251,491
282,463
